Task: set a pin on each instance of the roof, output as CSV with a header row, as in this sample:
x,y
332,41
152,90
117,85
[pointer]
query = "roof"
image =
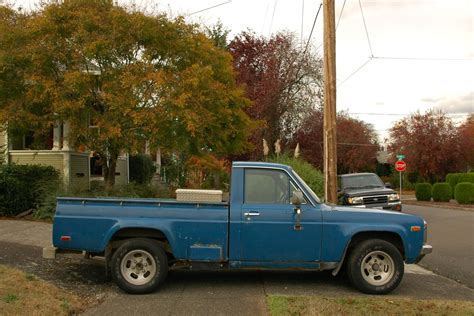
x,y
259,164
356,174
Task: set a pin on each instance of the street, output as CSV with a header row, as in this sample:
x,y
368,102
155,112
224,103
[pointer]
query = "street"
x,y
451,233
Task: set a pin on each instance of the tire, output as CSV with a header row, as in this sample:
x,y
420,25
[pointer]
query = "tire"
x,y
139,266
375,267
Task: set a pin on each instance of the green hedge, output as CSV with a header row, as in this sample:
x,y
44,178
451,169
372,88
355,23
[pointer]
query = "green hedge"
x,y
455,178
441,192
312,176
423,191
142,169
464,193
23,187
466,177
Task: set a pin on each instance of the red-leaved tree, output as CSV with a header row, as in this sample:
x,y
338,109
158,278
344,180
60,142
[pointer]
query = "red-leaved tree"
x,y
357,143
466,135
430,143
283,82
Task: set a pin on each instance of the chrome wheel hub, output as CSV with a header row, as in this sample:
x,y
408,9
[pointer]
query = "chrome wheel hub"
x,y
377,268
138,267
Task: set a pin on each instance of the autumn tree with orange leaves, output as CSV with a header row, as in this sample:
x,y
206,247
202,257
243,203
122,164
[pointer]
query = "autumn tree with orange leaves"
x,y
132,77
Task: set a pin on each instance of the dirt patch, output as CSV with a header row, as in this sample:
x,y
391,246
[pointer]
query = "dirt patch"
x,y
317,305
72,273
24,293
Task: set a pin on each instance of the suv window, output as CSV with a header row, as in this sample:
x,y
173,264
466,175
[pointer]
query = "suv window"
x,y
265,186
361,181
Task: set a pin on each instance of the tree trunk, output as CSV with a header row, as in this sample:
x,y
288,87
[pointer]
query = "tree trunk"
x,y
109,172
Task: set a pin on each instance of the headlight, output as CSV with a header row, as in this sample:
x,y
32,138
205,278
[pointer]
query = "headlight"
x,y
393,197
355,200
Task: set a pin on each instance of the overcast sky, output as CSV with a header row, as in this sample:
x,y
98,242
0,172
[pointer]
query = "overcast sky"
x,y
435,36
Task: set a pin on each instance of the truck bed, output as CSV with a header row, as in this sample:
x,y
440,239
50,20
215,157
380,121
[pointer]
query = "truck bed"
x,y
195,231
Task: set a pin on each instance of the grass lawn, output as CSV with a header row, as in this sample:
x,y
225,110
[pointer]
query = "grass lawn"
x,y
369,305
24,294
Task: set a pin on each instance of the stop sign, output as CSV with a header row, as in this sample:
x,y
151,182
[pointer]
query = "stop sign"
x,y
400,165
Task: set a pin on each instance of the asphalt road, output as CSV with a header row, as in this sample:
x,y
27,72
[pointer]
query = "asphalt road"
x,y
451,233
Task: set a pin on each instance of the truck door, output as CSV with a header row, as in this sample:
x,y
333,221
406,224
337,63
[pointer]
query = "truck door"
x,y
268,220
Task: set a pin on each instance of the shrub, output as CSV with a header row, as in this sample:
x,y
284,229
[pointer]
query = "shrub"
x,y
312,176
441,192
23,187
466,177
464,193
452,179
423,191
141,169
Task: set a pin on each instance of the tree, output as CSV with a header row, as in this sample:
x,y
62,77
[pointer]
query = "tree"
x,y
430,143
357,147
283,82
466,134
121,77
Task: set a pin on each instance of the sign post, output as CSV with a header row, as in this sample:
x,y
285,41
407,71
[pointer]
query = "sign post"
x,y
400,166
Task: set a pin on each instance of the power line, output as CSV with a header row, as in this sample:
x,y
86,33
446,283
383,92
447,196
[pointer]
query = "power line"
x,y
421,58
312,29
340,14
366,32
354,144
273,16
355,71
403,114
209,8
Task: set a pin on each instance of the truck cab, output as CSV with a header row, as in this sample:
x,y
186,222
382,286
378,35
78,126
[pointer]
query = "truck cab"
x,y
273,220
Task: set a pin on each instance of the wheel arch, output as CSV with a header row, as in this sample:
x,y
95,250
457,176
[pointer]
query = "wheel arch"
x,y
126,233
389,236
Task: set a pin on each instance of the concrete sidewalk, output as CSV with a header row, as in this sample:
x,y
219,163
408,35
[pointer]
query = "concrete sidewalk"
x,y
28,233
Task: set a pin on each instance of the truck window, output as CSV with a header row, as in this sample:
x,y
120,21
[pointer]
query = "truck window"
x,y
265,186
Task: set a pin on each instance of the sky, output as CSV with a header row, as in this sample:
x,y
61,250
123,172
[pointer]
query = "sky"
x,y
410,55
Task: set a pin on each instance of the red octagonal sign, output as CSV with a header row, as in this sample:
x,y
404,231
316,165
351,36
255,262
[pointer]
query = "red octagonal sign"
x,y
400,165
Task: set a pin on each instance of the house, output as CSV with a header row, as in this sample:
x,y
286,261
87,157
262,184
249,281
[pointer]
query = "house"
x,y
77,166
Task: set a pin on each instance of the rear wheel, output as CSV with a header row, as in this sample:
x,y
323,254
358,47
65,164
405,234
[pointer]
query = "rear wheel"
x,y
139,266
375,267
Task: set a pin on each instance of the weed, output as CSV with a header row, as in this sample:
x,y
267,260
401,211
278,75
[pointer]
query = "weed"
x,y
10,298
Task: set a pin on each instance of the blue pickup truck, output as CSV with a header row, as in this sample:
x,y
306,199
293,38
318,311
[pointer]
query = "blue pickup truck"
x,y
273,220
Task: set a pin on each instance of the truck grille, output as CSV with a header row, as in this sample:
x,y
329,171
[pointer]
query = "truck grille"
x,y
379,199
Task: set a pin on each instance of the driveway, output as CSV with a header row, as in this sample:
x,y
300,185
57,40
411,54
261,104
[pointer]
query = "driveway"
x,y
451,233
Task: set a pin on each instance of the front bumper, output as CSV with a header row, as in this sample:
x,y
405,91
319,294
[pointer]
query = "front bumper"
x,y
394,206
425,250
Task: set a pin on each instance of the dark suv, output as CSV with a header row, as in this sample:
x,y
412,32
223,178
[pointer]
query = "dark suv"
x,y
367,190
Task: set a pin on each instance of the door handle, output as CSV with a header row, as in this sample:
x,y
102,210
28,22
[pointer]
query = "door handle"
x,y
252,213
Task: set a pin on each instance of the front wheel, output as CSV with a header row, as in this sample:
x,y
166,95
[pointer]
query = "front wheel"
x,y
139,266
375,267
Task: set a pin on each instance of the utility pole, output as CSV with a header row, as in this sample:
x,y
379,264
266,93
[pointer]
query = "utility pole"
x,y
330,147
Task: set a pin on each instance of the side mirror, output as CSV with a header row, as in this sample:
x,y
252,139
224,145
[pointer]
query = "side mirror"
x,y
297,199
388,185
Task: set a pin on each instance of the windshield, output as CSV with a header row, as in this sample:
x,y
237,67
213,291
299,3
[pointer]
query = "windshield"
x,y
306,187
361,181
